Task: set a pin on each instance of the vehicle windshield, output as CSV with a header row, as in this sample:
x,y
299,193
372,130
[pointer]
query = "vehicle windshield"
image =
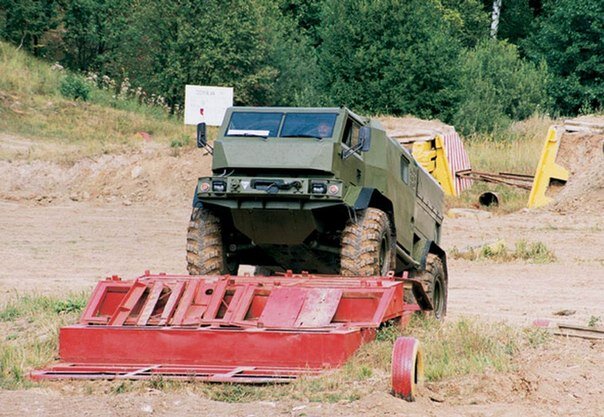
x,y
254,124
313,125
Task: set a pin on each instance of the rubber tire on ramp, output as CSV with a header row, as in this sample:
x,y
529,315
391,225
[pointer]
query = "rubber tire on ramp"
x,y
407,367
205,248
435,284
367,245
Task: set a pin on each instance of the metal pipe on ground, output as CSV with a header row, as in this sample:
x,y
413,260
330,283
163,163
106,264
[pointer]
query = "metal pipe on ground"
x,y
489,199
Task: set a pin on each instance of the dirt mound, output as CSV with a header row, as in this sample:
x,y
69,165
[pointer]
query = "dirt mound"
x,y
582,153
146,175
412,128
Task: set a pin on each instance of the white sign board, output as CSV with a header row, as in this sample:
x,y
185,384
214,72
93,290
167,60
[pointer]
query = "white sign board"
x,y
206,104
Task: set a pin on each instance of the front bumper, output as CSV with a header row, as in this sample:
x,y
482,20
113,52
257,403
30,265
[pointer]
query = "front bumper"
x,y
238,186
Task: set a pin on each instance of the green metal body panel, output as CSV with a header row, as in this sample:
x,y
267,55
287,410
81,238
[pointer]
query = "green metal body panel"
x,y
269,207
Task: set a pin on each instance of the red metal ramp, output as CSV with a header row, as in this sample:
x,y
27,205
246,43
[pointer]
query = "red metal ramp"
x,y
241,374
224,328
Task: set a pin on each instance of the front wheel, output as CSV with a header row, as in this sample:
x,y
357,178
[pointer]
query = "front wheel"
x,y
206,254
368,245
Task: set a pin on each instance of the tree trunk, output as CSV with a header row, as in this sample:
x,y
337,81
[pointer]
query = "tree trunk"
x,y
36,45
495,18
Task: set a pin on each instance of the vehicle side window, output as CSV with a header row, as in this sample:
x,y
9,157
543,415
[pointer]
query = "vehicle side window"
x,y
354,135
351,133
405,169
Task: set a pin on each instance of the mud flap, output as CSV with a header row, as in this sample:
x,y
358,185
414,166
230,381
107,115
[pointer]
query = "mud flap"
x,y
420,295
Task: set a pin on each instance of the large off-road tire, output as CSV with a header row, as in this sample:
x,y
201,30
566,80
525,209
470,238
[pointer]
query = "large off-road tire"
x,y
205,247
368,245
435,284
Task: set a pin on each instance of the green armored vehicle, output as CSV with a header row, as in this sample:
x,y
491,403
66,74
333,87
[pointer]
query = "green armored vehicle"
x,y
316,189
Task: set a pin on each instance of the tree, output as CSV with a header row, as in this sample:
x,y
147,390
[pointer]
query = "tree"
x,y
91,27
468,18
495,18
235,43
306,15
569,36
26,21
293,55
516,20
389,56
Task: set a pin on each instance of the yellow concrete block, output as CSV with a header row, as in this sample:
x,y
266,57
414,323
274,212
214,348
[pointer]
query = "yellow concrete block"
x,y
547,168
431,155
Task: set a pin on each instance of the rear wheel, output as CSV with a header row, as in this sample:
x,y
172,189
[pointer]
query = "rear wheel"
x,y
206,254
367,246
435,284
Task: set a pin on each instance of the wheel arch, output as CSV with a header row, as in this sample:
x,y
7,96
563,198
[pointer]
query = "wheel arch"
x,y
372,197
196,201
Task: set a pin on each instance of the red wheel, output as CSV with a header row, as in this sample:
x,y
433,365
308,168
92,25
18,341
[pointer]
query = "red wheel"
x,y
407,367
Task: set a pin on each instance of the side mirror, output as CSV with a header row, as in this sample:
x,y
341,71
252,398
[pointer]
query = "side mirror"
x,y
201,135
365,138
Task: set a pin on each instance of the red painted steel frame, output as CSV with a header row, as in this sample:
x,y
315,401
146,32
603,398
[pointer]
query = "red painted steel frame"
x,y
223,328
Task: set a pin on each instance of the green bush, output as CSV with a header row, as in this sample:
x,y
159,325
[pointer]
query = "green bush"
x,y
496,86
74,87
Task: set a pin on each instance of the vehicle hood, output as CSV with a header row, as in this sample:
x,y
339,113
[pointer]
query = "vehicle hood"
x,y
277,153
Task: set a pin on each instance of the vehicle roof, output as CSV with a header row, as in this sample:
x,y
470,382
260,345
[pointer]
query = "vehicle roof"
x,y
361,119
291,109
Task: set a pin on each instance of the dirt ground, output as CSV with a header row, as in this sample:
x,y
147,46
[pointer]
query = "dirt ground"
x,y
54,248
68,247
74,237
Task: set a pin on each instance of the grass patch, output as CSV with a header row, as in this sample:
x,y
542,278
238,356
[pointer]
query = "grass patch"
x,y
23,74
32,106
452,349
29,327
463,347
468,347
515,150
531,252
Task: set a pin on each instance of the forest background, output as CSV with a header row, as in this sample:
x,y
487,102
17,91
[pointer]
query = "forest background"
x,y
429,58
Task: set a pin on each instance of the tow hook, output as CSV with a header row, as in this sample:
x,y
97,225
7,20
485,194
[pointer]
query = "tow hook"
x,y
273,186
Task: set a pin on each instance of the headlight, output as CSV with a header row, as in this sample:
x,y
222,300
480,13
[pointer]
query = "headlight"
x,y
219,186
318,188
